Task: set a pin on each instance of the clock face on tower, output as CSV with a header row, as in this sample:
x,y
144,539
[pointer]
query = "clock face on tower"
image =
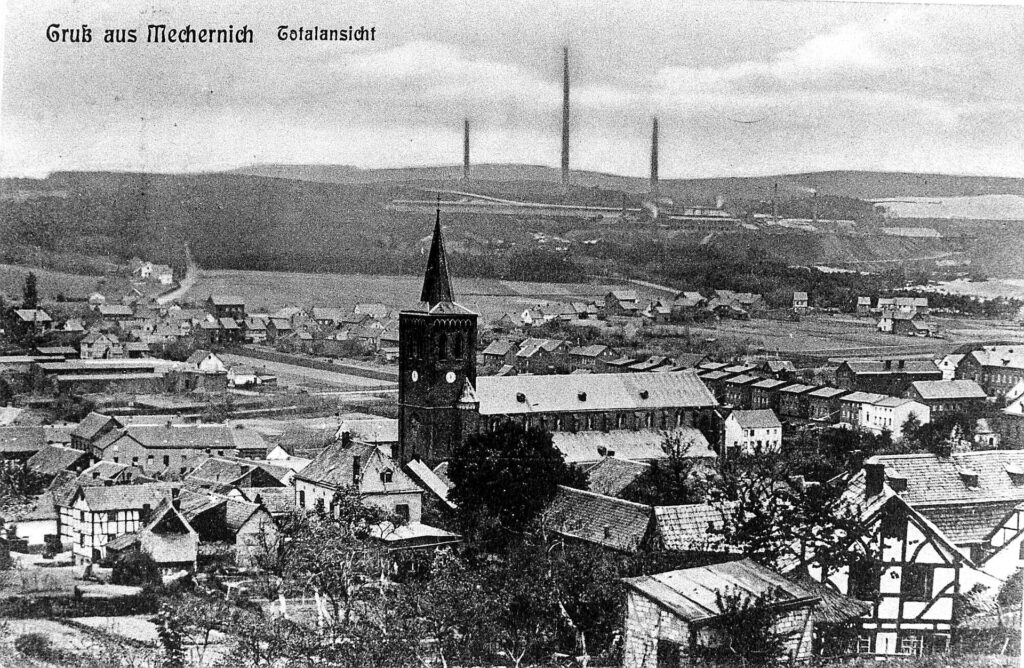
x,y
415,376
450,376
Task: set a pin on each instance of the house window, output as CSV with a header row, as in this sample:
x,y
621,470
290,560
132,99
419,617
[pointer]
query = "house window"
x,y
81,540
302,499
386,475
167,460
115,460
917,582
668,654
402,510
112,516
911,645
135,460
81,515
863,581
863,644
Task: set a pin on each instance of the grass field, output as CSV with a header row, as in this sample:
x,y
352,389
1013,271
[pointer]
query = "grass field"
x,y
272,290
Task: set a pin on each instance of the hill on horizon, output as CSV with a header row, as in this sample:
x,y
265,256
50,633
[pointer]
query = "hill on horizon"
x,y
846,183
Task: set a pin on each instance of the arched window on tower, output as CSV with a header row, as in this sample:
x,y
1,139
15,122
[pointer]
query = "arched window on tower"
x,y
442,345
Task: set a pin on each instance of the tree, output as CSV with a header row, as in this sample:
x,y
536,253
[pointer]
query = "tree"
x,y
509,475
677,480
30,293
744,629
770,516
136,568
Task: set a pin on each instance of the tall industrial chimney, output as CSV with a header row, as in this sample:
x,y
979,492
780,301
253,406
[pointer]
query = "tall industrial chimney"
x,y
654,158
775,202
465,150
814,206
565,117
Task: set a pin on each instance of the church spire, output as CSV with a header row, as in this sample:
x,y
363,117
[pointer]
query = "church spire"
x,y
437,284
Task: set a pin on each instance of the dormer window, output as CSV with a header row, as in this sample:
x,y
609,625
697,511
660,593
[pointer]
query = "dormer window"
x,y
644,394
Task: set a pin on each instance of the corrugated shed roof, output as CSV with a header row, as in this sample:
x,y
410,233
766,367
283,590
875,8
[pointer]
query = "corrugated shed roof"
x,y
612,475
691,593
500,395
602,520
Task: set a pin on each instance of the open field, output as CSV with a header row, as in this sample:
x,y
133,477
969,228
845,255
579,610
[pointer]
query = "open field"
x,y
839,336
316,379
52,283
264,290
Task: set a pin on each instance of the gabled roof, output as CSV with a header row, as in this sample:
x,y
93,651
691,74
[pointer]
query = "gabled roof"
x,y
503,395
873,367
55,458
692,593
277,500
936,481
759,419
334,468
499,348
429,481
101,498
603,520
613,474
948,389
692,527
639,445
231,470
863,397
91,425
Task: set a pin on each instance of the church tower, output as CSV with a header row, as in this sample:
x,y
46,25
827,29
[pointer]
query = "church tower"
x,y
436,366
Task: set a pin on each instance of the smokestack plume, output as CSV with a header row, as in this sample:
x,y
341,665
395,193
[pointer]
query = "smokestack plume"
x,y
654,158
465,150
565,116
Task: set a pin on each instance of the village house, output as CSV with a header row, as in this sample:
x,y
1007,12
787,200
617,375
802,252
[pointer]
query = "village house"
x,y
801,306
669,615
997,369
890,414
176,448
823,404
499,353
739,389
909,573
166,537
205,361
226,306
764,394
97,346
93,515
948,366
31,321
621,303
793,401
753,431
944,396
776,369
115,312
591,357
891,377
863,306
247,526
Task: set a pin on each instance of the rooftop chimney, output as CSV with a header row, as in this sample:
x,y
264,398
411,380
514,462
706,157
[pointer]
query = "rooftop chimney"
x,y
898,482
654,158
565,117
465,150
874,479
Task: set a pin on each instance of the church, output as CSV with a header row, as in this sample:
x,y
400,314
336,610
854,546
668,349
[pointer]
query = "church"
x,y
441,400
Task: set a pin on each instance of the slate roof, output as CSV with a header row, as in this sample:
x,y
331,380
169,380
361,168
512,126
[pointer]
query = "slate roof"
x,y
592,350
380,430
691,527
612,475
238,513
230,470
277,500
333,467
22,440
863,397
1001,357
933,390
873,367
758,419
769,384
691,593
500,395
965,523
429,481
499,348
196,436
933,480
827,393
640,445
53,459
602,520
123,497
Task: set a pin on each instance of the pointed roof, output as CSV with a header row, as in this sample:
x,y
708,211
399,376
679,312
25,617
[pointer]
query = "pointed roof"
x,y
437,284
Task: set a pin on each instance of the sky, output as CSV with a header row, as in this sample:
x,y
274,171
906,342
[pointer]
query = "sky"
x,y
739,87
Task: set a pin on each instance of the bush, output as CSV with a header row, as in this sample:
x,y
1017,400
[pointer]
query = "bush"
x,y
136,569
37,646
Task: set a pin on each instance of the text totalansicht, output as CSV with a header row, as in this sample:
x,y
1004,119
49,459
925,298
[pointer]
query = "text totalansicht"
x,y
287,33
